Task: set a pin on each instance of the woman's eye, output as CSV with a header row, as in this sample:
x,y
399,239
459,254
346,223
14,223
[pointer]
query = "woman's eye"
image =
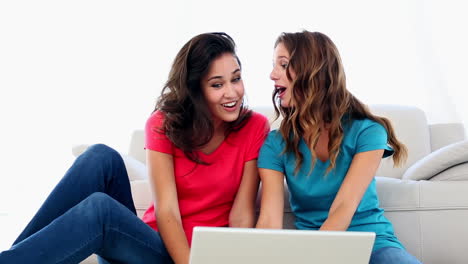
x,y
216,85
236,79
284,65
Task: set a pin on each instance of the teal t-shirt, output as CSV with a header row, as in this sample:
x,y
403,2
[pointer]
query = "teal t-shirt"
x,y
311,196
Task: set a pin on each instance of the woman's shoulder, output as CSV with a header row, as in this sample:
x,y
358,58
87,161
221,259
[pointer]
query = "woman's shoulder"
x,y
256,121
358,125
257,117
364,130
275,137
155,120
156,115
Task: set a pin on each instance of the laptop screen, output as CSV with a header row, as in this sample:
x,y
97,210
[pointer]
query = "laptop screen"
x,y
215,245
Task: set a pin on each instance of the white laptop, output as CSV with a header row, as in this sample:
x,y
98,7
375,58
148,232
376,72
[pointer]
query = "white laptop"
x,y
223,245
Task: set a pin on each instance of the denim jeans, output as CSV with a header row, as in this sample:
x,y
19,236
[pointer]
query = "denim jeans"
x,y
90,211
392,255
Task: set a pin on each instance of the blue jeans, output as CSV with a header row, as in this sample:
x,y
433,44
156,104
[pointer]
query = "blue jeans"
x,y
90,211
392,255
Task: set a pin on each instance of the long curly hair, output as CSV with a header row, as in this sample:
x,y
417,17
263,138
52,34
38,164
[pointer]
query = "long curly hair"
x,y
319,96
188,123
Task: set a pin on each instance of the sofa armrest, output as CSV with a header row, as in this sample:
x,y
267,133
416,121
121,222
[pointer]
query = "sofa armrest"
x,y
401,195
142,197
427,217
79,149
137,145
136,169
438,161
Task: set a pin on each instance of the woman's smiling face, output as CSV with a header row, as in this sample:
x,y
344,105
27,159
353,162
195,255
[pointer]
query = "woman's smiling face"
x,y
223,88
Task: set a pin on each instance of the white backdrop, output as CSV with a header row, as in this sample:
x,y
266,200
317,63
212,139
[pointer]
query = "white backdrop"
x,y
89,71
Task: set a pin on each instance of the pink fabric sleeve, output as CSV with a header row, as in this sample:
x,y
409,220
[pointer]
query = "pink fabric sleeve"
x,y
155,139
257,134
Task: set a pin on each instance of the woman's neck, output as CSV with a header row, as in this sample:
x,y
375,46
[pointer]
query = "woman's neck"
x,y
321,146
219,134
219,127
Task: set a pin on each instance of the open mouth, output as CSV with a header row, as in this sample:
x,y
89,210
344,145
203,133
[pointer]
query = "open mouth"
x,y
280,90
230,104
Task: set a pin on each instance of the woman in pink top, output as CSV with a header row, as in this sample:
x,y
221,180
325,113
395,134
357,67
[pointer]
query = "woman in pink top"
x,y
202,145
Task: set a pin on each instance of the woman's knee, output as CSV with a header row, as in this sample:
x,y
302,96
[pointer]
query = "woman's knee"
x,y
100,198
104,154
392,255
99,204
102,149
103,211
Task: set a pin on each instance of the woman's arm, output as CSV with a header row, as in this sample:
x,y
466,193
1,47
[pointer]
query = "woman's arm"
x,y
161,172
272,205
359,176
243,210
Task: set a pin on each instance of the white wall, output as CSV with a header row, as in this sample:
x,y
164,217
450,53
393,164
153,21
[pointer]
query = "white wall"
x,y
89,71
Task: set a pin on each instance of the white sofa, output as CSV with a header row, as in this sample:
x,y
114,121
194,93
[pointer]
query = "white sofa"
x,y
426,199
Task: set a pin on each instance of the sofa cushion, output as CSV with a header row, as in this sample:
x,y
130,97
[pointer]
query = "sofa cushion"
x,y
410,195
456,173
136,169
438,161
397,194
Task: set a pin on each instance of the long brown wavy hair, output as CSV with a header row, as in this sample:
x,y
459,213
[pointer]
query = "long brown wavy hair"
x,y
319,96
188,122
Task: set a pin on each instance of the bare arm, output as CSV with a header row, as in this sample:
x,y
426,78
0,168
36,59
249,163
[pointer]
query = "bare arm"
x,y
272,205
360,174
243,210
163,186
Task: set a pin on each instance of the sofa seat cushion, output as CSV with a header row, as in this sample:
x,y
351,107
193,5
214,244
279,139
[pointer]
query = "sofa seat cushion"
x,y
409,195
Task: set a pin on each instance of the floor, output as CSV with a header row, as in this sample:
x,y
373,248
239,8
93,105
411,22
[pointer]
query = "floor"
x,y
10,227
23,189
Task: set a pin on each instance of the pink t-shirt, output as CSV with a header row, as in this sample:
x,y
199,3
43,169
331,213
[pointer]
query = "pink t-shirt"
x,y
206,192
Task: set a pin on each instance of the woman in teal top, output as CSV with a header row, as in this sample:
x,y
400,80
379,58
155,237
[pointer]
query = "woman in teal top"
x,y
328,147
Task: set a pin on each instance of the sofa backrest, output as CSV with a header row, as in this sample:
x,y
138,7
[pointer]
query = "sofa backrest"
x,y
446,134
137,145
410,126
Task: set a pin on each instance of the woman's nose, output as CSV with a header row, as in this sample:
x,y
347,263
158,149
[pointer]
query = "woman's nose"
x,y
273,75
229,90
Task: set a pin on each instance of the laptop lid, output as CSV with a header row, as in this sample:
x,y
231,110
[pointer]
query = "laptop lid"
x,y
214,245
